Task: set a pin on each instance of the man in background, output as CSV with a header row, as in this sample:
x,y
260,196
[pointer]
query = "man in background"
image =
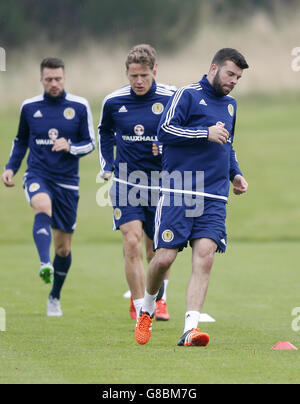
x,y
58,130
130,116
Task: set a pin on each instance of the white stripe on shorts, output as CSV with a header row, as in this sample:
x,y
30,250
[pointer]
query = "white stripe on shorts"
x,y
158,220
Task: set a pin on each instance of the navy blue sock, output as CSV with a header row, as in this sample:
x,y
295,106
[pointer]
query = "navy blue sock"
x,y
42,236
61,268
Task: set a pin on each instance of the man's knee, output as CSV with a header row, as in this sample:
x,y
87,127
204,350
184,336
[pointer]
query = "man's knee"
x,y
62,243
204,253
165,257
132,245
132,239
41,203
63,250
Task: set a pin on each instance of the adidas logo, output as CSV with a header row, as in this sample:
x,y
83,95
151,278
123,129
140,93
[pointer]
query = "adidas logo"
x,y
43,231
202,102
38,114
123,109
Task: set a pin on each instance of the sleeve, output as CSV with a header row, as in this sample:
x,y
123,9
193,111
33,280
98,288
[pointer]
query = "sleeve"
x,y
20,144
87,134
172,128
106,139
234,164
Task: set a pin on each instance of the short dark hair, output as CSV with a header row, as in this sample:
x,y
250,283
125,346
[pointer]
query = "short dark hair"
x,y
52,63
230,54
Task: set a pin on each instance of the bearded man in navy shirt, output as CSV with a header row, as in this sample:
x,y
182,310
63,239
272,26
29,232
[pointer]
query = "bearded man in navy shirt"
x,y
197,131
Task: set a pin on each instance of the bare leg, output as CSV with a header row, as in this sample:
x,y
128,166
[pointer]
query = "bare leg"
x,y
150,253
158,268
133,253
62,242
41,203
202,261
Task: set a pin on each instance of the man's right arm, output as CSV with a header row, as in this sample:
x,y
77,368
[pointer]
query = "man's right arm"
x,y
106,141
172,128
7,178
18,151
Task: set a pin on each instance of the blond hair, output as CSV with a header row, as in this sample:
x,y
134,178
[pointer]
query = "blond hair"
x,y
142,54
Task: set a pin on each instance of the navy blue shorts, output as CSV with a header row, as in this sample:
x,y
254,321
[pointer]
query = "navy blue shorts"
x,y
173,229
134,203
64,200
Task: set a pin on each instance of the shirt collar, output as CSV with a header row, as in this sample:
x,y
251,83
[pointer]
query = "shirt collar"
x,y
205,84
147,95
55,99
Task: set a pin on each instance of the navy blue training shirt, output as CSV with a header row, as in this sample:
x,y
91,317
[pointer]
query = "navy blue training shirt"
x,y
131,121
44,119
183,131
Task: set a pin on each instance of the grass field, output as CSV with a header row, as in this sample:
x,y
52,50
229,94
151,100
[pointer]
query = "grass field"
x,y
253,289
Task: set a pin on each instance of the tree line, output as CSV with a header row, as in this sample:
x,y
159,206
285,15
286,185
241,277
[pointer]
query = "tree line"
x,y
165,23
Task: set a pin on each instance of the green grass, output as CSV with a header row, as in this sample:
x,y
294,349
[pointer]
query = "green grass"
x,y
94,341
253,288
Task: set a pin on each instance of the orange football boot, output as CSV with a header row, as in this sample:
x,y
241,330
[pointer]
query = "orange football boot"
x,y
143,328
194,338
161,311
132,311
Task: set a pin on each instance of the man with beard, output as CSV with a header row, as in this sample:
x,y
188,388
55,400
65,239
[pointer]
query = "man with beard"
x,y
196,130
57,128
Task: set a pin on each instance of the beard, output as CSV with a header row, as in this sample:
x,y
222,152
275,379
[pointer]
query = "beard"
x,y
57,95
219,87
